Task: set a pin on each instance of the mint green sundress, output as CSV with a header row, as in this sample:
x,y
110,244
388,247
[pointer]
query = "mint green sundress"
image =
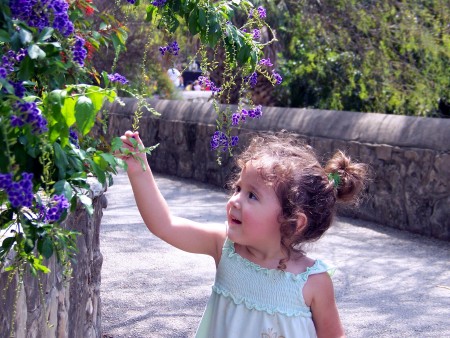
x,y
249,301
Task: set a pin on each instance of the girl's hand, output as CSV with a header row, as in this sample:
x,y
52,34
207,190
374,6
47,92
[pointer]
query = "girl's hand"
x,y
136,162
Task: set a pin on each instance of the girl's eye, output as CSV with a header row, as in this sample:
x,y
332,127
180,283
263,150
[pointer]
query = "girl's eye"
x,y
252,196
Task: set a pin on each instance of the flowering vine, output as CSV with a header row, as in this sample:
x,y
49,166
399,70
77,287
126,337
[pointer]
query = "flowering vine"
x,y
48,106
243,48
50,95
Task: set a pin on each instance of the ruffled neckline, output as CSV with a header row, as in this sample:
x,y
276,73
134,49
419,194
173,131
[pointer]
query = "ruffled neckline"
x,y
318,266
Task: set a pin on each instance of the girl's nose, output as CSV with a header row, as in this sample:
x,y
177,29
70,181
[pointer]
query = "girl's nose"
x,y
234,201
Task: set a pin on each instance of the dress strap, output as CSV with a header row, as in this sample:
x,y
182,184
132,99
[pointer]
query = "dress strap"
x,y
318,267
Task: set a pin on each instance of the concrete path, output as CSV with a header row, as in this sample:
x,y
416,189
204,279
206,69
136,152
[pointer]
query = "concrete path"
x,y
388,283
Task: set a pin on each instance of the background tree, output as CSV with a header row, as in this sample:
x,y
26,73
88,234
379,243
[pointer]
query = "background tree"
x,y
387,56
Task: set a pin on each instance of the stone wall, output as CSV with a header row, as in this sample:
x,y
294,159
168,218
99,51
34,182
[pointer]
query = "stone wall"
x,y
70,306
409,156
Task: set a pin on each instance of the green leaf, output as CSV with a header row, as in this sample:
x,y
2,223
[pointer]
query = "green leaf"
x,y
151,11
116,144
63,187
68,110
36,264
60,160
192,22
109,158
5,218
6,246
25,36
84,114
45,34
45,247
97,96
8,242
26,69
201,17
87,203
35,52
5,84
4,36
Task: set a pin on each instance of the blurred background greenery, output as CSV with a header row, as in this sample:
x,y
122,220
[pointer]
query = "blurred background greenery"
x,y
387,56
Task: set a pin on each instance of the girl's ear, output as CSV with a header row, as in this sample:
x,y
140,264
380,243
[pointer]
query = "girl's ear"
x,y
302,221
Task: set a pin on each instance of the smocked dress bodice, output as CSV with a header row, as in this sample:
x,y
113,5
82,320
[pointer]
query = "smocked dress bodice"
x,y
254,302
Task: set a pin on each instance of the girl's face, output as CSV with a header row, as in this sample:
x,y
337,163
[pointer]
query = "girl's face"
x,y
253,211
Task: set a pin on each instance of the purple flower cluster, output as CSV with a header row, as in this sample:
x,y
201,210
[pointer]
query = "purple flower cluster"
x,y
29,113
118,78
9,60
19,89
252,79
266,62
159,3
220,139
256,34
204,81
171,48
55,208
73,138
244,113
20,193
262,12
43,13
131,1
277,77
78,50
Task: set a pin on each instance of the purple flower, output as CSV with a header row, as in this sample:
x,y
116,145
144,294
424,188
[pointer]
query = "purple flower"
x,y
234,141
43,13
16,121
3,73
9,60
171,48
55,208
19,89
252,79
20,193
266,62
244,114
79,52
118,78
258,112
220,140
204,81
5,181
29,113
131,1
73,138
277,77
256,34
262,12
158,3
235,119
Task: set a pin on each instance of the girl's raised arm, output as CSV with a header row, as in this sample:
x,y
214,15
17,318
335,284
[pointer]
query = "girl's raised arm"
x,y
180,232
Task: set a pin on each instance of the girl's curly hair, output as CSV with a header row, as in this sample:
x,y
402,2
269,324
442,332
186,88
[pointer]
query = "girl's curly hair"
x,y
302,185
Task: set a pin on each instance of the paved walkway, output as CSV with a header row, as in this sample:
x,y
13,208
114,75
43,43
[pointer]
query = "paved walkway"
x,y
388,283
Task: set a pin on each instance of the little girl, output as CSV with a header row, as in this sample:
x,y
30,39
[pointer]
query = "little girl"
x,y
282,198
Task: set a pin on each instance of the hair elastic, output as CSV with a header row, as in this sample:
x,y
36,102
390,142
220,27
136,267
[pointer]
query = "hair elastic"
x,y
335,178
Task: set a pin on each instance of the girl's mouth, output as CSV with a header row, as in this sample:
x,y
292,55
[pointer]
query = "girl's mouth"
x,y
235,221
